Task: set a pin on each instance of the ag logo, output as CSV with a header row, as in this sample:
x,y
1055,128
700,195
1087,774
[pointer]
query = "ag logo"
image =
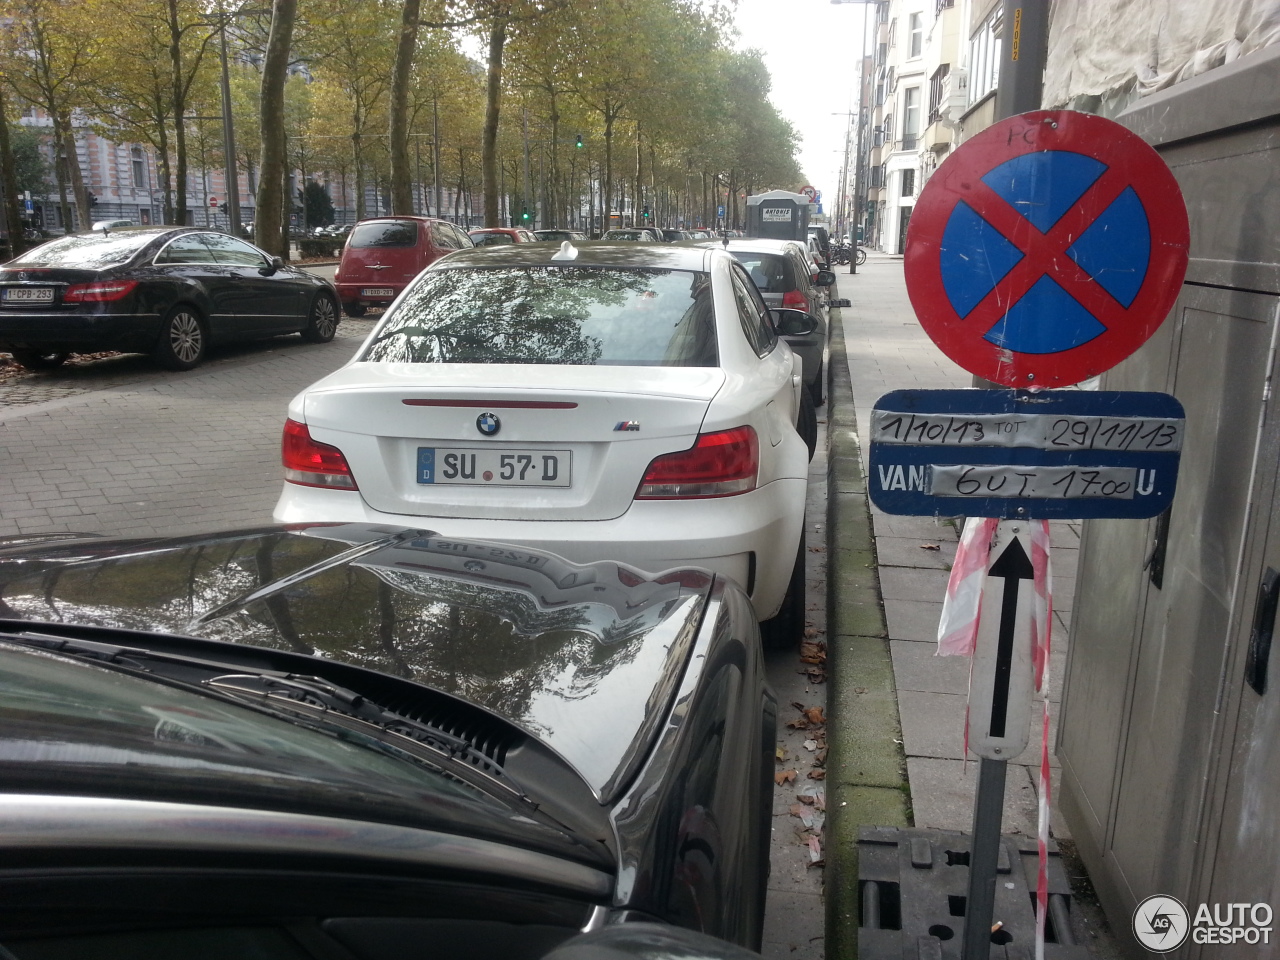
x,y
488,424
1161,924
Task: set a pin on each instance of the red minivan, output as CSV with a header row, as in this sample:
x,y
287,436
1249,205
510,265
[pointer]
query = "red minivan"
x,y
382,255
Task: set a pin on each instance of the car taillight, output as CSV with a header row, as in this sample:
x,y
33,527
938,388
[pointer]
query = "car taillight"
x,y
313,464
795,300
721,464
101,292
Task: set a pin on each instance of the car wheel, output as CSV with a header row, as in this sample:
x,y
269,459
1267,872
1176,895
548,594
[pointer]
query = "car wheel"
x,y
815,388
182,340
353,309
786,629
322,320
807,422
40,359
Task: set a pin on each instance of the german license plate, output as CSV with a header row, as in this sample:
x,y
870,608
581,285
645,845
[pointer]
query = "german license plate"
x,y
27,295
481,466
377,292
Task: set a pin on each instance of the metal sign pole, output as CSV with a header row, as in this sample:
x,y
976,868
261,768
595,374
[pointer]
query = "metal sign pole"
x,y
1000,715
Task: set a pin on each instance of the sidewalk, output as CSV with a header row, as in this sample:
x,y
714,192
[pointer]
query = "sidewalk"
x,y
897,753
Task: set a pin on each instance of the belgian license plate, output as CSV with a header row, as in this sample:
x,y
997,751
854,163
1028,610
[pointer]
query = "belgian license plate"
x,y
28,295
480,466
377,292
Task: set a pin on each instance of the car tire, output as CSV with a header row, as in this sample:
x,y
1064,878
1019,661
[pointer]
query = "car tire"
x,y
183,339
322,320
40,359
353,309
785,629
816,391
807,422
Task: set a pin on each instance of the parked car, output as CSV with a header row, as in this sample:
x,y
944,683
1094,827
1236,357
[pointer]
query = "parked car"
x,y
787,277
383,254
500,236
166,291
675,236
612,400
350,741
100,225
559,235
634,234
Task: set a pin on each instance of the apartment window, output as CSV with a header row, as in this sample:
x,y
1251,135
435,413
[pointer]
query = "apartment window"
x,y
936,84
984,56
916,41
908,183
893,32
910,117
139,169
888,126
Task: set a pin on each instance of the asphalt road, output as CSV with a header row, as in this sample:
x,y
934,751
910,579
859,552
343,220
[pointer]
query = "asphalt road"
x,y
117,446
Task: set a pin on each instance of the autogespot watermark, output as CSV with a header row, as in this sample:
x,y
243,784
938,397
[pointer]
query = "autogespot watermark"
x,y
1162,924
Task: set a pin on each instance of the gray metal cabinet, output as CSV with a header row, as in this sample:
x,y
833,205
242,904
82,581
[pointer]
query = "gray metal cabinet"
x,y
1171,762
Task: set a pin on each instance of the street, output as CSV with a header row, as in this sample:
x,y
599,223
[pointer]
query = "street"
x,y
119,447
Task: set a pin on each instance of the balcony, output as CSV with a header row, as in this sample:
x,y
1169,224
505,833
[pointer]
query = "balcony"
x,y
953,96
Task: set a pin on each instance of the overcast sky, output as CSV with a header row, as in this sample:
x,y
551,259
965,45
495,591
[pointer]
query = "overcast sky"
x,y
811,48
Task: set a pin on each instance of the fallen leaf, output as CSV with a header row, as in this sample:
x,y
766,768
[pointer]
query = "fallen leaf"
x,y
817,774
814,715
798,724
930,546
820,758
780,755
811,745
859,689
815,850
784,776
798,705
815,674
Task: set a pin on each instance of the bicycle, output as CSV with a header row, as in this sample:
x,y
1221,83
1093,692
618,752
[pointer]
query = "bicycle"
x,y
861,257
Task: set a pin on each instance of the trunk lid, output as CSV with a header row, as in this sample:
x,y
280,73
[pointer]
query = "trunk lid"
x,y
577,439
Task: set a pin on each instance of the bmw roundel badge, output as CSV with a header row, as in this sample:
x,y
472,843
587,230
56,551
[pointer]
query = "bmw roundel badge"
x,y
488,424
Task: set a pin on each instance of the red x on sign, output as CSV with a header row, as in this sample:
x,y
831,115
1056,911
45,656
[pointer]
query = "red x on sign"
x,y
1046,249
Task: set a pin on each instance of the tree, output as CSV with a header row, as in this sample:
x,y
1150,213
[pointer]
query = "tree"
x,y
9,181
319,207
269,225
52,55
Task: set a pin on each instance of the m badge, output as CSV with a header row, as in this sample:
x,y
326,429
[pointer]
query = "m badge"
x,y
627,426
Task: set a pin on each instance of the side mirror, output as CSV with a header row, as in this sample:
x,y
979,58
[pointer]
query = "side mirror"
x,y
793,323
275,264
825,278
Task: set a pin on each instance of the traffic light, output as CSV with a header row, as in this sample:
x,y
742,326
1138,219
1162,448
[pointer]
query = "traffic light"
x,y
524,214
578,142
646,211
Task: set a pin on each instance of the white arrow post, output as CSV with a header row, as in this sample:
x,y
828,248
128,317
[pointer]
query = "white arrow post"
x,y
999,713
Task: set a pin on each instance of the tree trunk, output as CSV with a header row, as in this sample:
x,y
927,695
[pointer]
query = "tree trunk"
x,y
9,183
606,203
78,191
492,109
357,162
637,212
554,200
401,182
275,66
179,113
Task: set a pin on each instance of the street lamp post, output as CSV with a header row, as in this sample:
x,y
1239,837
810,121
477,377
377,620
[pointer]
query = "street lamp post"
x,y
229,137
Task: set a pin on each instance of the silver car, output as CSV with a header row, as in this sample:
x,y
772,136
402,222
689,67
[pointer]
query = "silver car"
x,y
788,277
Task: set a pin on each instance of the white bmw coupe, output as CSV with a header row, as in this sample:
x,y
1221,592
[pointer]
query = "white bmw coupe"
x,y
618,401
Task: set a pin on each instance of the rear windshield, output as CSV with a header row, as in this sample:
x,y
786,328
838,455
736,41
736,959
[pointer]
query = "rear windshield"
x,y
90,251
552,315
384,233
491,239
770,271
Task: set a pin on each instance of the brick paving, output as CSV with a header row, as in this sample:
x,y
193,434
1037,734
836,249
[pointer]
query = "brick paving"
x,y
121,447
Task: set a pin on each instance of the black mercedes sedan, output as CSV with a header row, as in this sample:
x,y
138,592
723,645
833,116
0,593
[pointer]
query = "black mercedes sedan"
x,y
166,291
348,740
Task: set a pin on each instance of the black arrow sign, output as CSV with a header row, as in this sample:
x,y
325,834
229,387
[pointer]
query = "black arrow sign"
x,y
1013,566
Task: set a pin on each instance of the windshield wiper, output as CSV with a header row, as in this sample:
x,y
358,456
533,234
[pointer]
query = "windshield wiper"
x,y
281,694
316,694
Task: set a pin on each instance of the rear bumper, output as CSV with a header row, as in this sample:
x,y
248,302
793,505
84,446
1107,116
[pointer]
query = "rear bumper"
x,y
83,332
729,535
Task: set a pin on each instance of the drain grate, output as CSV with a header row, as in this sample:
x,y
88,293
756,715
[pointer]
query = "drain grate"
x,y
912,889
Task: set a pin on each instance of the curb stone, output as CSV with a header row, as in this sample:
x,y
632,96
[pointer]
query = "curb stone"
x,y
866,766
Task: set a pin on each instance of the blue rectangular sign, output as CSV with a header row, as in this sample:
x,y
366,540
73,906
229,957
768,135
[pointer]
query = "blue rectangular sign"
x,y
1056,454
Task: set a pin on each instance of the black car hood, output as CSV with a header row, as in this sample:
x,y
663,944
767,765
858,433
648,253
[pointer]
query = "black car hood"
x,y
585,658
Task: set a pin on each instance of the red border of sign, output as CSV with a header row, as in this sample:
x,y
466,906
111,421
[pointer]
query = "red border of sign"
x,y
1131,162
